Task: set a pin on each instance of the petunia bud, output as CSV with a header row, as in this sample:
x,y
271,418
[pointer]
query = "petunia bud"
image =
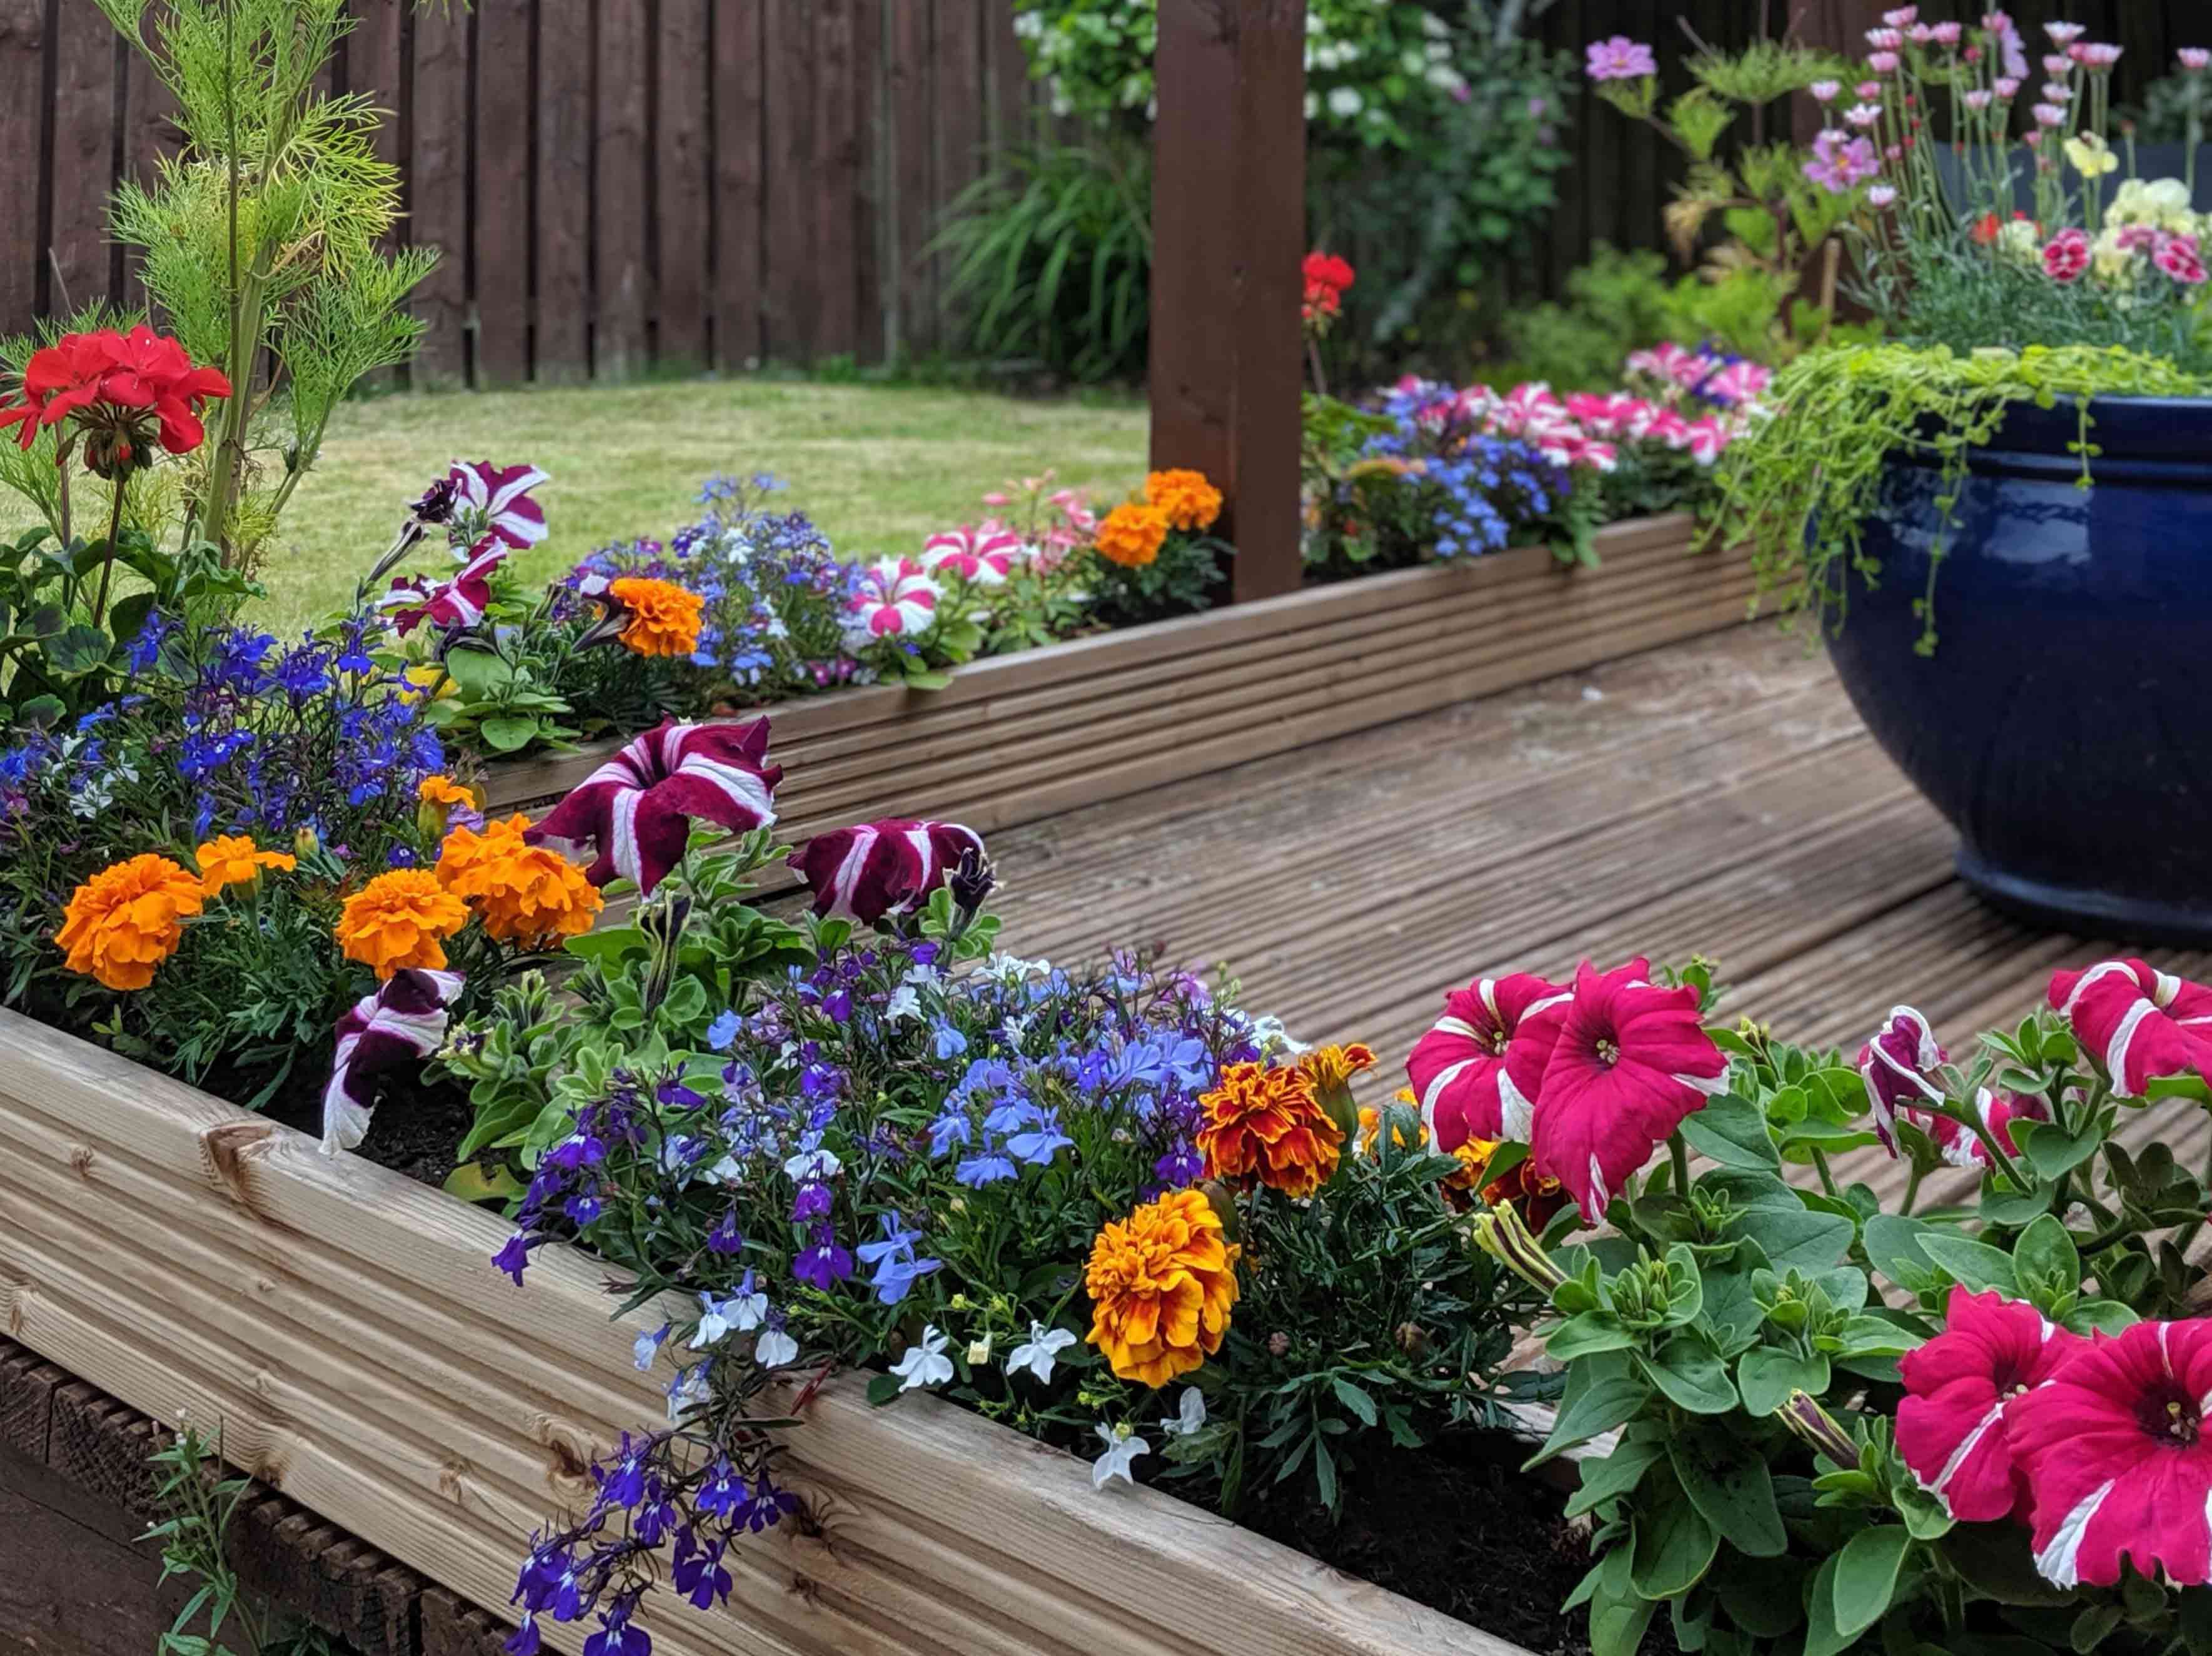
x,y
663,925
1502,1233
970,884
1804,1416
1411,1340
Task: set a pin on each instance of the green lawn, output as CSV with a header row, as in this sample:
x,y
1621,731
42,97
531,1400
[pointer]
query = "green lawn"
x,y
878,467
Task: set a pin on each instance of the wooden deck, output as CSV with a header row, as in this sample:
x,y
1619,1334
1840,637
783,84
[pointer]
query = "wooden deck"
x,y
1719,796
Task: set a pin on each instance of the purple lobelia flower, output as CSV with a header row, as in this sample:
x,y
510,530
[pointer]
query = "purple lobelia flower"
x,y
404,1019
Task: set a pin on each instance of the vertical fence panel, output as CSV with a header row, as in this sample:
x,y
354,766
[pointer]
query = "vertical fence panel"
x,y
871,167
438,194
561,349
837,157
501,313
23,108
794,281
910,87
960,130
681,226
85,114
621,197
739,243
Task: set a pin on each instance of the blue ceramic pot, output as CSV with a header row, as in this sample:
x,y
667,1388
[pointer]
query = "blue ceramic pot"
x,y
2063,723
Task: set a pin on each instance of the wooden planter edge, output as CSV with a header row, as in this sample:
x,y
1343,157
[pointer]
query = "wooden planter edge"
x,y
345,1327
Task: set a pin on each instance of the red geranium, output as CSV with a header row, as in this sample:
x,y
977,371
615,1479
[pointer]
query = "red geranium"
x,y
124,392
1327,277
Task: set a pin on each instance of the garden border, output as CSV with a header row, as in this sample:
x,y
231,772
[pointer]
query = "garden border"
x,y
1020,737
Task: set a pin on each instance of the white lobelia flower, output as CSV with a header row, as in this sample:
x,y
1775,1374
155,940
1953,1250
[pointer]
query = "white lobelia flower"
x,y
717,1318
747,1310
813,1165
1039,1352
724,1172
648,1347
925,1362
774,1347
1122,1446
1191,1416
903,1003
922,977
687,1392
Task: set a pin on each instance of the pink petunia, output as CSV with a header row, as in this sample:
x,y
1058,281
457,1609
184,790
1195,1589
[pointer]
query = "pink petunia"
x,y
2117,1459
635,811
1618,59
404,1019
893,595
1631,1060
1708,438
1962,1389
2066,256
1897,1069
2136,1023
496,500
1476,1073
1736,384
1962,1146
459,601
886,868
984,555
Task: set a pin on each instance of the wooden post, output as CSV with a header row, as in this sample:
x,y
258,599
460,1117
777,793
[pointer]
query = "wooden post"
x,y
1228,232
1838,25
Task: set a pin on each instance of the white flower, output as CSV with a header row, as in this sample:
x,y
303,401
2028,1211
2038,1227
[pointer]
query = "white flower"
x,y
1037,1353
923,975
688,1390
925,1364
716,1319
1016,1031
979,1351
647,1348
1191,1417
774,1347
813,1166
724,1172
1345,102
1122,1446
1012,969
746,1311
903,1003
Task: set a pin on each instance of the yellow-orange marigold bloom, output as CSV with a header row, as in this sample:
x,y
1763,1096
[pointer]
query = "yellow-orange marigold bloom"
x,y
128,918
524,894
1131,534
233,860
1189,502
398,919
442,790
662,618
1162,1282
1265,1126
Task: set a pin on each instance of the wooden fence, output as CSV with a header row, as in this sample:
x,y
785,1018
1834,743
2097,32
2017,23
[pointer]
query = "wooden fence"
x,y
615,183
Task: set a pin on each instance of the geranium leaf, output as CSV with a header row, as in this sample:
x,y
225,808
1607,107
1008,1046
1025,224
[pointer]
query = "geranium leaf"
x,y
1732,1489
1866,1576
1733,1133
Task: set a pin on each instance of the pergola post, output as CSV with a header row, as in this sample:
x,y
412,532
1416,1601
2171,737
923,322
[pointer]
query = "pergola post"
x,y
1228,232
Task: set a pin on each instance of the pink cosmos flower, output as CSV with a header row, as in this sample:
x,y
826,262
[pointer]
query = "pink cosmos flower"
x,y
1619,59
404,1019
1962,1389
1631,1061
864,873
458,602
491,499
2065,34
984,555
893,595
2194,59
2136,1023
1839,164
1476,1073
2066,256
1898,1068
2117,1459
635,811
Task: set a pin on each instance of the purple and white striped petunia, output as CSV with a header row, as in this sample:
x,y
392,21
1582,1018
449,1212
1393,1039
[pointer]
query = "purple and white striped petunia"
x,y
985,556
1898,1067
404,1019
893,597
2138,1024
882,868
634,810
496,500
460,602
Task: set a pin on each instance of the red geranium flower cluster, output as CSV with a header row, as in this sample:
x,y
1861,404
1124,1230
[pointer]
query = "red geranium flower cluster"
x,y
1592,1077
123,392
1326,277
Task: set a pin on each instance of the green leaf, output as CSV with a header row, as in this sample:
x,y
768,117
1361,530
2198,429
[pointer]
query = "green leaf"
x,y
1767,1375
1977,1265
1602,1393
1733,1132
2050,1151
1590,1334
1892,1243
2110,1315
1808,1240
471,1183
507,734
1691,1375
2046,1263
1616,1474
1767,1602
1868,1336
882,1388
1997,1561
1729,1485
1866,1576
2092,1626
1821,1637
1674,1544
1617,1613
1352,1397
78,649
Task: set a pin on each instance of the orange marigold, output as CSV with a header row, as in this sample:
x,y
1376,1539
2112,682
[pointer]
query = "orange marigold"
x,y
1265,1125
128,918
1189,502
1131,534
442,790
1162,1282
662,618
233,860
524,894
400,919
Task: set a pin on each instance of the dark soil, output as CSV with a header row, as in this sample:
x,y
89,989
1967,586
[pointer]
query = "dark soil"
x,y
1454,1528
414,1131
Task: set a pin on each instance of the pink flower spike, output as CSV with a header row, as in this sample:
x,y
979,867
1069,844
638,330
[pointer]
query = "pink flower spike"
x,y
1960,1388
2050,115
1885,39
1475,1074
2135,1024
2117,1459
2095,58
1946,34
2007,89
1632,1061
635,811
878,869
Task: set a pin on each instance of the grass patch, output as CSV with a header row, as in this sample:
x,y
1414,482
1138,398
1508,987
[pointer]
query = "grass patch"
x,y
878,467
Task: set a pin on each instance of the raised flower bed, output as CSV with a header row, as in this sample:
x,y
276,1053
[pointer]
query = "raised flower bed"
x,y
340,1322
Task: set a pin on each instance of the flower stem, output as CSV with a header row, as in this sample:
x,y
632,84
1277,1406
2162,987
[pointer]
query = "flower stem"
x,y
107,562
1679,1154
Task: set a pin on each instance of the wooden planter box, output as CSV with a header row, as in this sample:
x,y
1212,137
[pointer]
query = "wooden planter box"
x,y
1020,737
346,1329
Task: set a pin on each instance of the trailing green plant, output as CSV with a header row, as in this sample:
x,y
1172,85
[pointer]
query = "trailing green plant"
x,y
1797,488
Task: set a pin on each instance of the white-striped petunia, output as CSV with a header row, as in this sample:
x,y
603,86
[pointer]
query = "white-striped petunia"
x,y
2137,1024
635,811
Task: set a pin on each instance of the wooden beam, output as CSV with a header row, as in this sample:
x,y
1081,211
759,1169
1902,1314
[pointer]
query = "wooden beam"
x,y
1228,231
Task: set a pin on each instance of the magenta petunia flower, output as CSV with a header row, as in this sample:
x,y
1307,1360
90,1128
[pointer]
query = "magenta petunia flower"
x,y
986,555
635,811
1960,1388
404,1019
1475,1073
1962,1146
2136,1023
1631,1060
496,500
2118,1460
1619,59
893,595
882,868
1898,1066
459,602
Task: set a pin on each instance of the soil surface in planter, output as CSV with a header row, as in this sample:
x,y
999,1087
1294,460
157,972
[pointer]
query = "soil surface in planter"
x,y
1451,1527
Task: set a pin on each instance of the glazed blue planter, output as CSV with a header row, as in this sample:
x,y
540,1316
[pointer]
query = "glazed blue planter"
x,y
2063,723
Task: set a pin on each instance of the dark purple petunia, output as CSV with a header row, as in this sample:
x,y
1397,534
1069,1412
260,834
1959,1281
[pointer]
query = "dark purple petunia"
x,y
877,869
635,811
405,1019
